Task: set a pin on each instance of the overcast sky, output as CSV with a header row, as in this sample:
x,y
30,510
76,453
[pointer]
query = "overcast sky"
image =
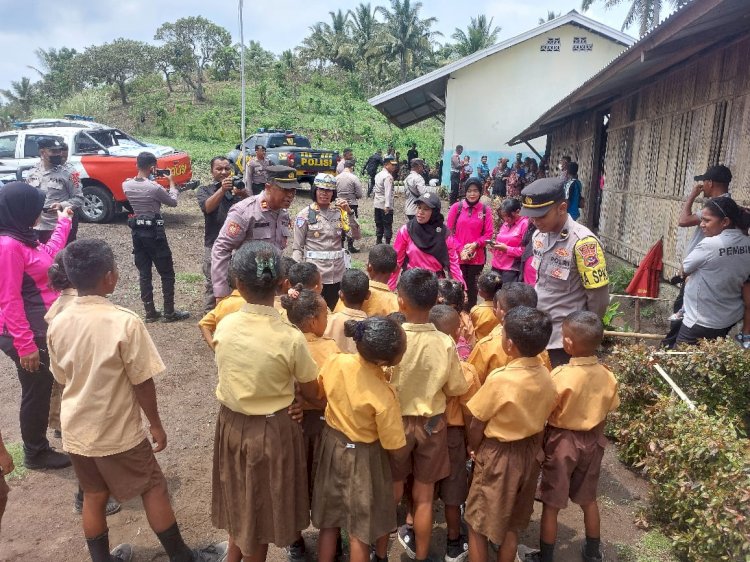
x,y
27,26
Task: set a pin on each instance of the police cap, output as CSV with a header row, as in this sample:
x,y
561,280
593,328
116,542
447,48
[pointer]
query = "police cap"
x,y
389,159
538,197
50,142
283,177
430,199
416,162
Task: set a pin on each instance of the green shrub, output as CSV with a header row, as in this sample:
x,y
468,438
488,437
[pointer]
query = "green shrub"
x,y
699,467
619,279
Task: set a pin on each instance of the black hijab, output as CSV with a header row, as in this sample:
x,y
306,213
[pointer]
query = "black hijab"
x,y
20,206
431,237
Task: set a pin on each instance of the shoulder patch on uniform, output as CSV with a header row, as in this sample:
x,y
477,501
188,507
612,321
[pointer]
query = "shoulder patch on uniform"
x,y
592,266
300,222
233,229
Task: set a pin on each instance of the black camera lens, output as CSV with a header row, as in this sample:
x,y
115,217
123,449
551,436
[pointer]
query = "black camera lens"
x,y
238,182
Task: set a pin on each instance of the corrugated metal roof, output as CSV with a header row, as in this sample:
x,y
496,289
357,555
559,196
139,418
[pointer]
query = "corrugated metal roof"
x,y
688,32
424,97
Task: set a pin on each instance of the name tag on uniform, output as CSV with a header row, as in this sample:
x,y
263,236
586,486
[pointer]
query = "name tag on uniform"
x,y
262,224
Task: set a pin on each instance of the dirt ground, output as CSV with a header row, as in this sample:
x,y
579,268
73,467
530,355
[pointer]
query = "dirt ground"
x,y
40,524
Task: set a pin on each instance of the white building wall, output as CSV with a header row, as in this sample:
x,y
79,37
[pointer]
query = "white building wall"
x,y
491,100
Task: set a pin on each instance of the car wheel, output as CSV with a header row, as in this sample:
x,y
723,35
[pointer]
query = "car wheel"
x,y
98,204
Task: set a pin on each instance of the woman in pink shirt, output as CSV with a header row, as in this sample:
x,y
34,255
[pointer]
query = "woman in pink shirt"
x,y
508,245
470,223
424,242
25,297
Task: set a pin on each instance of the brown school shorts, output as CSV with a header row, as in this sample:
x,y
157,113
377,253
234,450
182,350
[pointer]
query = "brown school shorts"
x,y
454,489
572,462
124,475
4,488
425,454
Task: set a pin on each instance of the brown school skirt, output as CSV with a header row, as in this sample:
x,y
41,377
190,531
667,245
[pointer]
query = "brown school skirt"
x,y
353,488
125,475
501,497
572,462
259,493
426,452
454,489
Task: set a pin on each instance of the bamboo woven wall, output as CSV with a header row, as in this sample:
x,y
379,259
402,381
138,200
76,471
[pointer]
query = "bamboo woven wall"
x,y
659,137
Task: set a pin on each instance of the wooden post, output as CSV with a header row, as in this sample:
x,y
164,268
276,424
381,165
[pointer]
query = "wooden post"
x,y
637,315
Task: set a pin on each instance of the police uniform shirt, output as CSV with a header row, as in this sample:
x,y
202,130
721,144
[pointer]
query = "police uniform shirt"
x,y
414,186
146,197
250,219
383,191
216,218
571,274
320,230
60,185
349,187
257,171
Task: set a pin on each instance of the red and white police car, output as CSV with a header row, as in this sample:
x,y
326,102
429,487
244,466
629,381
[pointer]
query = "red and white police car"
x,y
102,156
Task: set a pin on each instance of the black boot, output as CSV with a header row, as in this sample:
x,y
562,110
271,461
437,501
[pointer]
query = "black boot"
x,y
172,315
46,458
152,315
352,249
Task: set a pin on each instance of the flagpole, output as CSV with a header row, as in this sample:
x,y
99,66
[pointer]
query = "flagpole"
x,y
242,82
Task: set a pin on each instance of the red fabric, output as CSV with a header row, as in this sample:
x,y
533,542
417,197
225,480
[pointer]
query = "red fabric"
x,y
645,282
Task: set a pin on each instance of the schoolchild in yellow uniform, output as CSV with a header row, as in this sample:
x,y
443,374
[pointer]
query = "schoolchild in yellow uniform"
x,y
574,440
306,274
429,372
260,356
454,489
488,354
211,319
381,264
483,315
106,359
354,290
286,264
505,436
353,484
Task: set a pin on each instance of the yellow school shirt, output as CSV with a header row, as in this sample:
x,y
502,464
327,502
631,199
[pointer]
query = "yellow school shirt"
x,y
320,349
100,351
429,371
335,328
277,306
226,306
488,354
259,356
382,301
516,400
454,413
484,319
361,405
66,298
587,392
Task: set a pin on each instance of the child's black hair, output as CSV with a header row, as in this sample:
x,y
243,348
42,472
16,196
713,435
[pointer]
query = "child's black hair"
x,y
303,308
586,327
452,293
304,273
490,283
355,286
516,294
286,264
398,317
58,279
378,338
257,266
383,259
419,287
529,328
445,318
87,261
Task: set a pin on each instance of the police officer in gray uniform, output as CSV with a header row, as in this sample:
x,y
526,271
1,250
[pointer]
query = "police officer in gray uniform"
x,y
259,217
568,258
256,176
61,187
317,235
150,245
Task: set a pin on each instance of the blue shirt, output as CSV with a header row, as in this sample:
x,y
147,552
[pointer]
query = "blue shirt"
x,y
483,171
573,190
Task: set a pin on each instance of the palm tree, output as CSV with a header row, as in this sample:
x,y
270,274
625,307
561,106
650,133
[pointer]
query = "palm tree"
x,y
409,37
20,94
646,12
478,35
330,42
551,15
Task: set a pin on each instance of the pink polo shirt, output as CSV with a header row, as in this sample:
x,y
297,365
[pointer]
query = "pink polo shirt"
x,y
470,225
511,236
405,248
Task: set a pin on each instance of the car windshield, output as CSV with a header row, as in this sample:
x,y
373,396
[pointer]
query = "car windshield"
x,y
275,141
94,140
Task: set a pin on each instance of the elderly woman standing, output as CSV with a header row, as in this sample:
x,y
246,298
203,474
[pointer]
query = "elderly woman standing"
x,y
424,242
25,297
318,232
470,223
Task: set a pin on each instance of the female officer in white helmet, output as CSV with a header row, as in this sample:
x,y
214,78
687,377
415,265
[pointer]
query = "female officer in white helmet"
x,y
318,233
